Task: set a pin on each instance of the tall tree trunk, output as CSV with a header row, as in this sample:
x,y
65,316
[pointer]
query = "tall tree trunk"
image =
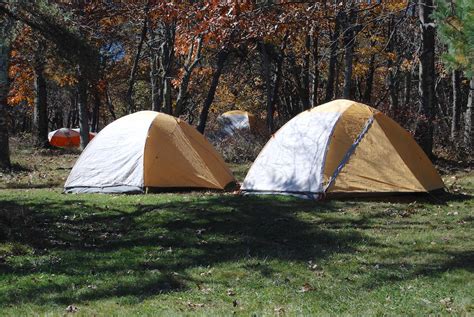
x,y
349,40
110,105
424,126
189,65
392,81
96,111
266,68
369,84
468,117
40,111
82,108
155,81
167,96
333,59
315,59
166,64
221,58
305,69
408,84
456,84
4,87
133,72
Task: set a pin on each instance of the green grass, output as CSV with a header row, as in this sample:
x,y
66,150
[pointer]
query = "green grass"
x,y
218,254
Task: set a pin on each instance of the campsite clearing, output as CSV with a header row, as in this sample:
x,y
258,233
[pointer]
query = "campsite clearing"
x,y
214,253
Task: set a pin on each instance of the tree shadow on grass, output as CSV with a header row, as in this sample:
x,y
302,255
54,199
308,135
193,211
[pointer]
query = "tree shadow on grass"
x,y
148,251
435,198
99,252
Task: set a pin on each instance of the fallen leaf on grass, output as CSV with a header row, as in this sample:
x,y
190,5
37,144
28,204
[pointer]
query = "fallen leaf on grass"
x,y
203,288
194,305
312,266
279,310
306,288
71,309
200,231
206,273
448,301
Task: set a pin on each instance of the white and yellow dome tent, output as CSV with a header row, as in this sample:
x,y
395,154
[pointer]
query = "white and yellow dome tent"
x,y
148,149
237,120
341,147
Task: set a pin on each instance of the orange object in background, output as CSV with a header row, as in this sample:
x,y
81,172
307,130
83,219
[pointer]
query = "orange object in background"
x,y
66,137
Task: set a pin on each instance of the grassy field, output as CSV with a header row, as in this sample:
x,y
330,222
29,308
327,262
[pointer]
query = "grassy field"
x,y
219,254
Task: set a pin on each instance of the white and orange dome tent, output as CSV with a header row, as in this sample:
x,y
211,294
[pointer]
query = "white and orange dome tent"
x,y
341,147
237,120
148,149
66,137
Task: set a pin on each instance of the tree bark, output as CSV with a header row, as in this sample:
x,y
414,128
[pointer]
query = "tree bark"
x,y
266,68
468,118
4,87
369,84
456,84
408,84
133,72
40,111
221,58
166,61
333,59
96,111
189,65
110,105
82,108
305,70
155,81
349,41
424,126
315,58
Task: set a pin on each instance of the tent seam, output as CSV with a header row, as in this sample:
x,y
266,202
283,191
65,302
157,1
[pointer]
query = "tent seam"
x,y
349,152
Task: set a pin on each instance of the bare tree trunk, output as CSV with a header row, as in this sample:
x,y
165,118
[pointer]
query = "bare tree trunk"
x,y
110,105
166,61
408,84
456,83
155,78
315,58
4,87
370,80
424,126
333,59
393,91
349,40
392,82
221,58
189,65
96,111
40,111
296,72
266,67
468,117
305,70
133,72
82,108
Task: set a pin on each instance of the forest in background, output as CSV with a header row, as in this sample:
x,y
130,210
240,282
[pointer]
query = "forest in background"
x,y
88,63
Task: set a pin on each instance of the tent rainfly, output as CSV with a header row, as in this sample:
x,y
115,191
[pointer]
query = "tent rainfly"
x,y
341,147
237,120
147,149
66,137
